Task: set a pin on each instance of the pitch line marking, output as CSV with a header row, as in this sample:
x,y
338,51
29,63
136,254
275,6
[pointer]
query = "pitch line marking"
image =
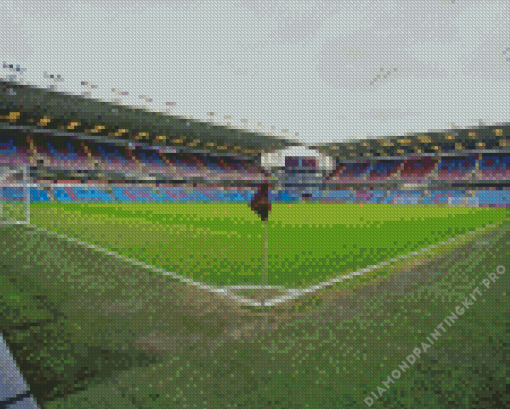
x,y
294,293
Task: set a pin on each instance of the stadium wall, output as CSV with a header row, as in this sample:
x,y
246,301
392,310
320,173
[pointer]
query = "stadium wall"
x,y
62,193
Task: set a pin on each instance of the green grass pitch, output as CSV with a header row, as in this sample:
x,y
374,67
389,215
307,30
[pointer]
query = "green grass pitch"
x,y
220,244
75,326
12,211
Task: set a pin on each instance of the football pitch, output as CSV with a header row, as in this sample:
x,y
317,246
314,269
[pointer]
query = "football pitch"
x,y
220,244
90,331
12,212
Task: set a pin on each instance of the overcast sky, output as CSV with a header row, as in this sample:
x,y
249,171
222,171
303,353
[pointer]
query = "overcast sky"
x,y
329,70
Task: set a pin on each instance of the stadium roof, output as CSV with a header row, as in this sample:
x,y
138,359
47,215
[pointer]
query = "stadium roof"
x,y
492,138
27,105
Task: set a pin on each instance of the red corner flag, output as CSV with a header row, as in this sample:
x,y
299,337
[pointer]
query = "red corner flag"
x,y
260,203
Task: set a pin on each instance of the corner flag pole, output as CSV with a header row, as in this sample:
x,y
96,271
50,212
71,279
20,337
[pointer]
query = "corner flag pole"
x,y
265,256
262,206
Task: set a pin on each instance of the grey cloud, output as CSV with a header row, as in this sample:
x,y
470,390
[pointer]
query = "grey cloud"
x,y
14,44
58,10
297,29
240,70
38,9
491,59
416,40
137,3
295,23
363,60
387,115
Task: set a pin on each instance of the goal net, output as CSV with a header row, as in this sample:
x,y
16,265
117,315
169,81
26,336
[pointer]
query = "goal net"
x,y
14,194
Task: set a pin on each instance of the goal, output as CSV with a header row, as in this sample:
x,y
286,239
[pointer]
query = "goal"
x,y
14,194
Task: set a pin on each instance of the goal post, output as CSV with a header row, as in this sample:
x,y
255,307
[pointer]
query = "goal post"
x,y
14,194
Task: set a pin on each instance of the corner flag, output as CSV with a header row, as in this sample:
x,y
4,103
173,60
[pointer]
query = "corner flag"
x,y
260,203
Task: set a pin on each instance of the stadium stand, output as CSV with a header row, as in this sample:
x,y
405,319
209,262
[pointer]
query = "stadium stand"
x,y
457,168
383,170
417,169
494,166
368,171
